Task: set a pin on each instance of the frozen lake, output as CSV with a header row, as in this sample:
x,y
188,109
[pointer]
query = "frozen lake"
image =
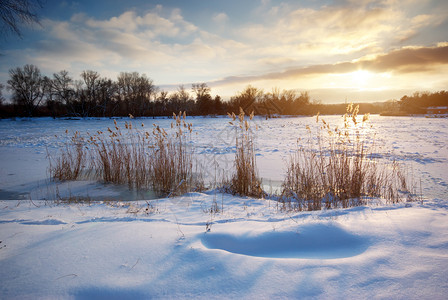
x,y
245,248
419,143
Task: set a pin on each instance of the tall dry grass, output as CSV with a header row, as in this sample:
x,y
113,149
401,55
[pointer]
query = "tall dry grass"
x,y
71,162
172,161
245,180
339,168
159,159
120,157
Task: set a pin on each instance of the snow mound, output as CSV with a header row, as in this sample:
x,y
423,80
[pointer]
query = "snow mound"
x,y
314,241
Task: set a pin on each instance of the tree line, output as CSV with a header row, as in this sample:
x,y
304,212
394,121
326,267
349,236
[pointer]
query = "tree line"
x,y
132,93
420,101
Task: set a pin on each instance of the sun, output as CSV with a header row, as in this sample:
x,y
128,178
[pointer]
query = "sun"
x,y
361,78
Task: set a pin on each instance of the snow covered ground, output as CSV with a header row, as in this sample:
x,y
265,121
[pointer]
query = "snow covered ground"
x,y
212,245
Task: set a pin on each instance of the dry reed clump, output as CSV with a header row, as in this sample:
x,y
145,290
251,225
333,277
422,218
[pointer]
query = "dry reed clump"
x,y
341,169
172,162
157,160
72,160
245,180
120,156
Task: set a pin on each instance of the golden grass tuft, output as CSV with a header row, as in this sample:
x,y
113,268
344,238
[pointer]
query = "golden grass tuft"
x,y
70,164
172,162
341,168
156,160
245,180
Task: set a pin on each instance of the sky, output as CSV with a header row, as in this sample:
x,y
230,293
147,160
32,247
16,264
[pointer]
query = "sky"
x,y
338,51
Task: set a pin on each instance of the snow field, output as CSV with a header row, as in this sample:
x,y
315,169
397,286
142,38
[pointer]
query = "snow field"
x,y
249,248
102,251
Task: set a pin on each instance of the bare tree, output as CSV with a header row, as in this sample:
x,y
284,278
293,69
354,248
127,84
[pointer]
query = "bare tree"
x,y
200,90
60,93
183,94
274,102
203,98
135,91
15,12
162,96
61,86
179,101
91,80
88,96
1,94
247,99
28,87
107,94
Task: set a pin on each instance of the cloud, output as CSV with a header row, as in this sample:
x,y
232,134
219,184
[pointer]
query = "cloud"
x,y
129,36
159,42
339,30
126,21
276,41
408,60
152,23
327,26
220,18
402,61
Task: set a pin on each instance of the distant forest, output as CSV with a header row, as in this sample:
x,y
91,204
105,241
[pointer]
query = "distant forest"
x,y
36,95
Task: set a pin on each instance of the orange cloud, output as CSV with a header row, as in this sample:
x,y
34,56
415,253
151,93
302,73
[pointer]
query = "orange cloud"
x,y
408,60
405,60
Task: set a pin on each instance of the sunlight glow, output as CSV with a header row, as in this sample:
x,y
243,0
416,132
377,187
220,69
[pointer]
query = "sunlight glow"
x,y
361,78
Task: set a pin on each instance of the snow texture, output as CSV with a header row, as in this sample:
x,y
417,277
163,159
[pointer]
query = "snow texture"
x,y
251,249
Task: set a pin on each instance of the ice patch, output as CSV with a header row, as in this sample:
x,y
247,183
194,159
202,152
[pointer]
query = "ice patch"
x,y
44,222
12,195
34,222
108,293
314,241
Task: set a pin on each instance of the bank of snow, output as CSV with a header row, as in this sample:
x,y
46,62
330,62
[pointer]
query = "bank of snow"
x,y
252,250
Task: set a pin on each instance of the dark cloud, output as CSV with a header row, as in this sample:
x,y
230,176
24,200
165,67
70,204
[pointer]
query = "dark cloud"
x,y
408,60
